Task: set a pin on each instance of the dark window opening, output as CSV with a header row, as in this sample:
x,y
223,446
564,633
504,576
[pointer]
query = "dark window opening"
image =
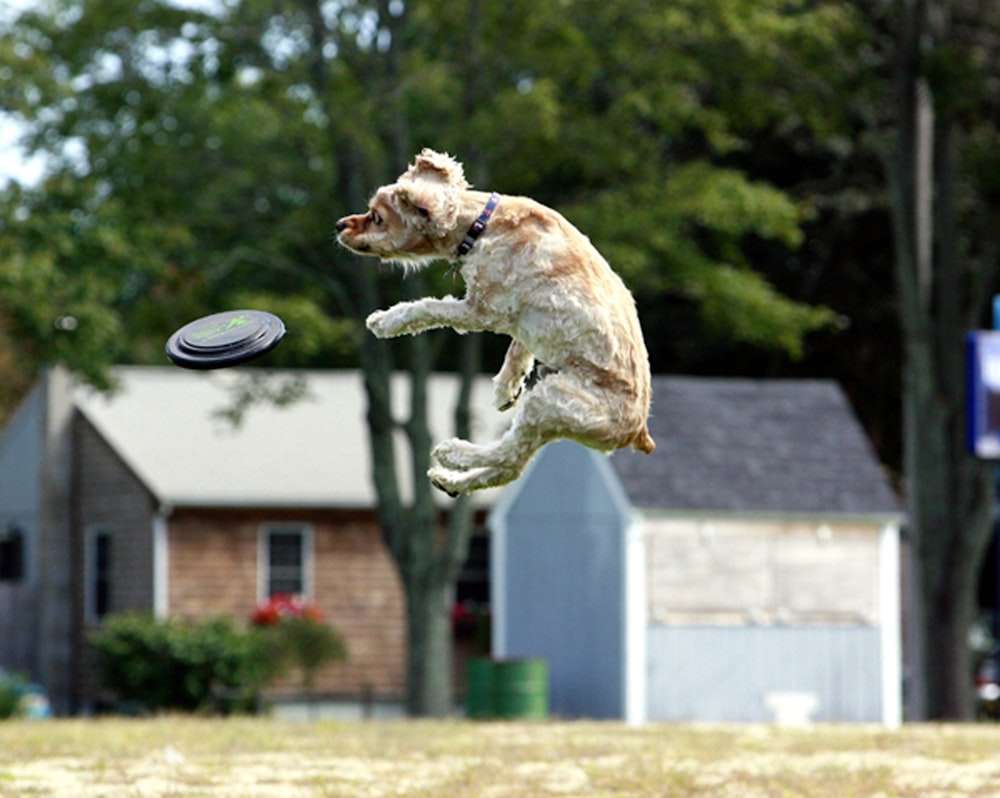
x,y
286,565
11,555
473,583
100,574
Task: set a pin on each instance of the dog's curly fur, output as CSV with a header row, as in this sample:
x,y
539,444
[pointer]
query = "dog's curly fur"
x,y
533,276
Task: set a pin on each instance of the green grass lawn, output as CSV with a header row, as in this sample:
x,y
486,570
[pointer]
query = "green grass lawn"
x,y
178,756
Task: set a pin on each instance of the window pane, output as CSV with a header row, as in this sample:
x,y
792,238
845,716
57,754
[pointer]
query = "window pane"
x,y
285,560
286,549
11,556
101,574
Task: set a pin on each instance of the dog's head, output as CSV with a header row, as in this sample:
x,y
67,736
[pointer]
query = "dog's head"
x,y
413,219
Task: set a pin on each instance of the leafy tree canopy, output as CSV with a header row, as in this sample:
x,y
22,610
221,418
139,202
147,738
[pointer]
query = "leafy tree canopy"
x,y
198,159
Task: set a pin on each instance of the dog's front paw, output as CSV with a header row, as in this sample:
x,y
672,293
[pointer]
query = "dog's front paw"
x,y
385,323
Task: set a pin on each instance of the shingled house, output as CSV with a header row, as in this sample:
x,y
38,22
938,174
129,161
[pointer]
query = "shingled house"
x,y
753,559
766,532
151,498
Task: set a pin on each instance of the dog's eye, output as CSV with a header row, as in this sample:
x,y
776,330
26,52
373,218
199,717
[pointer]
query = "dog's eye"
x,y
376,217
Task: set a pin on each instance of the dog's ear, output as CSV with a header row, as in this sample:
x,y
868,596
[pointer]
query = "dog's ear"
x,y
426,205
437,166
427,193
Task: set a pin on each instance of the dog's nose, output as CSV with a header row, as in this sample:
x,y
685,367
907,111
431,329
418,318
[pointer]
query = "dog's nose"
x,y
341,225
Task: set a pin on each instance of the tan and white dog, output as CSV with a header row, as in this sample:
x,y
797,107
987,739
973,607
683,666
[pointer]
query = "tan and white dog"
x,y
531,275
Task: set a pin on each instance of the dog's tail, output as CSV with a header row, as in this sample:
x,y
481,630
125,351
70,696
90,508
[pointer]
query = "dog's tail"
x,y
643,442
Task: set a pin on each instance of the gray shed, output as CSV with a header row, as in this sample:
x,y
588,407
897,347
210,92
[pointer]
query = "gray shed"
x,y
751,564
566,560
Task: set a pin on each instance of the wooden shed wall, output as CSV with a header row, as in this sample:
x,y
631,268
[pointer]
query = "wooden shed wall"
x,y
740,608
734,571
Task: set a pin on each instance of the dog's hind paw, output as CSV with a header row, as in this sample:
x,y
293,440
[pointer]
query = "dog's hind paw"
x,y
506,396
441,479
455,483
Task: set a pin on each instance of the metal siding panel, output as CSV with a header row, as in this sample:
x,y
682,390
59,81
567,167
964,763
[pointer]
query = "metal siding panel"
x,y
724,673
564,589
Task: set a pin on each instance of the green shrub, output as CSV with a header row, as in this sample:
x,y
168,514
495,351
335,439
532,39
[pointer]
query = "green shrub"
x,y
11,692
294,635
306,644
177,665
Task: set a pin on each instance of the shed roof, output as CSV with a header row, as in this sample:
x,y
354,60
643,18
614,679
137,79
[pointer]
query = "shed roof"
x,y
787,446
782,446
165,424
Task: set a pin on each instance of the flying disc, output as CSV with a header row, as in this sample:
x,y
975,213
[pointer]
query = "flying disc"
x,y
225,339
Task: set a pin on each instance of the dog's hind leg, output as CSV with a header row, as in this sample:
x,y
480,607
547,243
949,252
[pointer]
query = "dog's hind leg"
x,y
509,381
559,406
456,482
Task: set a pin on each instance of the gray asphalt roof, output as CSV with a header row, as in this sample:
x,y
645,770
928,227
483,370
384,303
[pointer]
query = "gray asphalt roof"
x,y
722,444
164,423
755,446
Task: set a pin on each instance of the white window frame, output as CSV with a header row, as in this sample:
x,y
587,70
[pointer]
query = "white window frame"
x,y
263,555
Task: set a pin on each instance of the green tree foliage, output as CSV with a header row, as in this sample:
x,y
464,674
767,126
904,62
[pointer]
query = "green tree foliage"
x,y
200,158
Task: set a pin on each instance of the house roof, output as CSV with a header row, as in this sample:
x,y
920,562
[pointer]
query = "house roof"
x,y
165,424
784,446
770,446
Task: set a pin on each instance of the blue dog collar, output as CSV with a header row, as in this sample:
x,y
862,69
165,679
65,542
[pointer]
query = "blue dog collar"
x,y
479,225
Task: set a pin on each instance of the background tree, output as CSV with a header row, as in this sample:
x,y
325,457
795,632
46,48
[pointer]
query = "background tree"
x,y
201,158
940,164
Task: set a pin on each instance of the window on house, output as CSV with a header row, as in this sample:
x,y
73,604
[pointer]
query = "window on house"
x,y
286,561
473,583
97,568
11,554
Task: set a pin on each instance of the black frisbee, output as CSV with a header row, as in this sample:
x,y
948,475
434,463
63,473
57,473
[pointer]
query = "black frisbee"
x,y
225,339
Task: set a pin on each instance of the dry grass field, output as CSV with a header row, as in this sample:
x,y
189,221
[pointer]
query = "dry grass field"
x,y
259,757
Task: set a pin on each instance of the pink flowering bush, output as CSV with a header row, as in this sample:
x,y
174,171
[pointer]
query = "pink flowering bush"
x,y
282,606
470,620
298,636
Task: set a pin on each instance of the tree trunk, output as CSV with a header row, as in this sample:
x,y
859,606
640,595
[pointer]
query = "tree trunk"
x,y
427,556
428,675
949,494
950,504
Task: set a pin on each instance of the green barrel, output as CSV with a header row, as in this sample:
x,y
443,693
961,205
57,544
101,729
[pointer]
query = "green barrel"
x,y
521,688
479,688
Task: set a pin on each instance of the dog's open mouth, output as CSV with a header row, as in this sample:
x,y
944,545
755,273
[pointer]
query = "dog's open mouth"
x,y
354,247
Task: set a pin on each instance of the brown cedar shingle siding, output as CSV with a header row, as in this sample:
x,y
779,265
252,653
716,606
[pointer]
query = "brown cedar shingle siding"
x,y
213,570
